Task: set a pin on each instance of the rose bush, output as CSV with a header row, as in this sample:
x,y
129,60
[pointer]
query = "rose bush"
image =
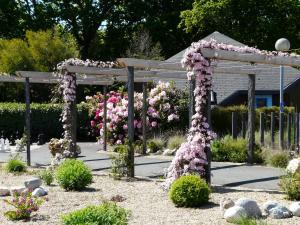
x,y
162,111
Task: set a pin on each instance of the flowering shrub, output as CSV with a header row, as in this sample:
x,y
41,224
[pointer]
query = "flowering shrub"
x,y
162,110
24,204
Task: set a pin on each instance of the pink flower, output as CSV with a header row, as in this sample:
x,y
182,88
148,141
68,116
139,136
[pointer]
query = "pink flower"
x,y
119,142
113,99
154,124
125,127
93,123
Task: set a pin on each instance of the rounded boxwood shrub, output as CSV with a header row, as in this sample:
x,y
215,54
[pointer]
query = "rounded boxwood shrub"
x,y
15,165
189,191
107,213
73,175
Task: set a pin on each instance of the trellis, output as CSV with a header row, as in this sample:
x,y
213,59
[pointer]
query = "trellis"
x,y
153,69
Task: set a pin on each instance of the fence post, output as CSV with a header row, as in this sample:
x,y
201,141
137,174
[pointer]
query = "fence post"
x,y
281,130
244,117
272,133
289,130
297,132
262,128
105,118
234,125
144,118
251,118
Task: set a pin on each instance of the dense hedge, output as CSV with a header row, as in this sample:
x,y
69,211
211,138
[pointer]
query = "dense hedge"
x,y
45,118
221,116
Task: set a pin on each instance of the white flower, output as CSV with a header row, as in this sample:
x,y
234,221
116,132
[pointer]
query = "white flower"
x,y
293,166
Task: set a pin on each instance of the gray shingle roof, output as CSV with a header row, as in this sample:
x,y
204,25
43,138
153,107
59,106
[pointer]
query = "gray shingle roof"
x,y
227,84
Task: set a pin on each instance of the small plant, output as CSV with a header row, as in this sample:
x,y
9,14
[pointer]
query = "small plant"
x,y
24,204
73,175
155,145
175,141
290,185
107,213
15,165
119,162
278,159
189,191
47,176
248,221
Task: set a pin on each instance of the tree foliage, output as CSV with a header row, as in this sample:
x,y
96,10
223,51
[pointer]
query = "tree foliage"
x,y
253,22
39,51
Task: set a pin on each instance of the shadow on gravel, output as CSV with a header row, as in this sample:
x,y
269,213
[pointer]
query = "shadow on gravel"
x,y
224,190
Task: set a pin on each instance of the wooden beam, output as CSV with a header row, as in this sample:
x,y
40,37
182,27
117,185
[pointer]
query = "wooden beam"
x,y
27,120
144,118
251,118
130,163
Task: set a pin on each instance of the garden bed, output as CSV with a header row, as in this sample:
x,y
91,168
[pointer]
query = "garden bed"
x,y
148,203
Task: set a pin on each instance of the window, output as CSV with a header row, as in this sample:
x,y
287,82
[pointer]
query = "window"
x,y
263,101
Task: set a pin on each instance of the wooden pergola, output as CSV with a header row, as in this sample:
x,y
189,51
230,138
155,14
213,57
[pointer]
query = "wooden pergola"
x,y
138,70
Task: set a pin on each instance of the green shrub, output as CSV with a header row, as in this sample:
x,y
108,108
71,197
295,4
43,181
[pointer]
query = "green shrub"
x,y
106,214
15,165
47,176
175,141
73,175
189,191
119,162
278,159
290,185
45,118
155,144
233,150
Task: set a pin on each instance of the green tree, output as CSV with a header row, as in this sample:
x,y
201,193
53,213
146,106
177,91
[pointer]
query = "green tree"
x,y
253,22
40,51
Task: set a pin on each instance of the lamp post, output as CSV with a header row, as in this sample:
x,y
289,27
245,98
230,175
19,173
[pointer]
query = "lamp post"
x,y
281,44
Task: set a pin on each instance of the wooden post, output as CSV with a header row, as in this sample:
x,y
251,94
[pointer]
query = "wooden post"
x,y
244,127
192,84
281,130
262,128
73,106
130,158
207,149
27,119
297,132
272,132
251,118
144,118
234,125
105,118
289,130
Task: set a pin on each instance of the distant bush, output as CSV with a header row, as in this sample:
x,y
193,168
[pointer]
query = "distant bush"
x,y
277,158
73,175
175,141
155,144
189,191
15,165
106,214
290,185
228,149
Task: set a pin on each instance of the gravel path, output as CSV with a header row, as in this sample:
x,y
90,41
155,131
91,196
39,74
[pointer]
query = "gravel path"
x,y
147,201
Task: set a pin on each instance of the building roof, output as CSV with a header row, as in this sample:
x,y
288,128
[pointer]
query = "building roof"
x,y
226,85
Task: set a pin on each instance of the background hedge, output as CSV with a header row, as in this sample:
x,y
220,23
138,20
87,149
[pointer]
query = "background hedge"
x,y
45,118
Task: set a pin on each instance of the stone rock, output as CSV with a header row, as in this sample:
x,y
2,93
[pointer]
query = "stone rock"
x,y
39,192
33,183
17,189
250,207
293,166
295,208
234,213
267,206
4,191
280,212
226,203
169,152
